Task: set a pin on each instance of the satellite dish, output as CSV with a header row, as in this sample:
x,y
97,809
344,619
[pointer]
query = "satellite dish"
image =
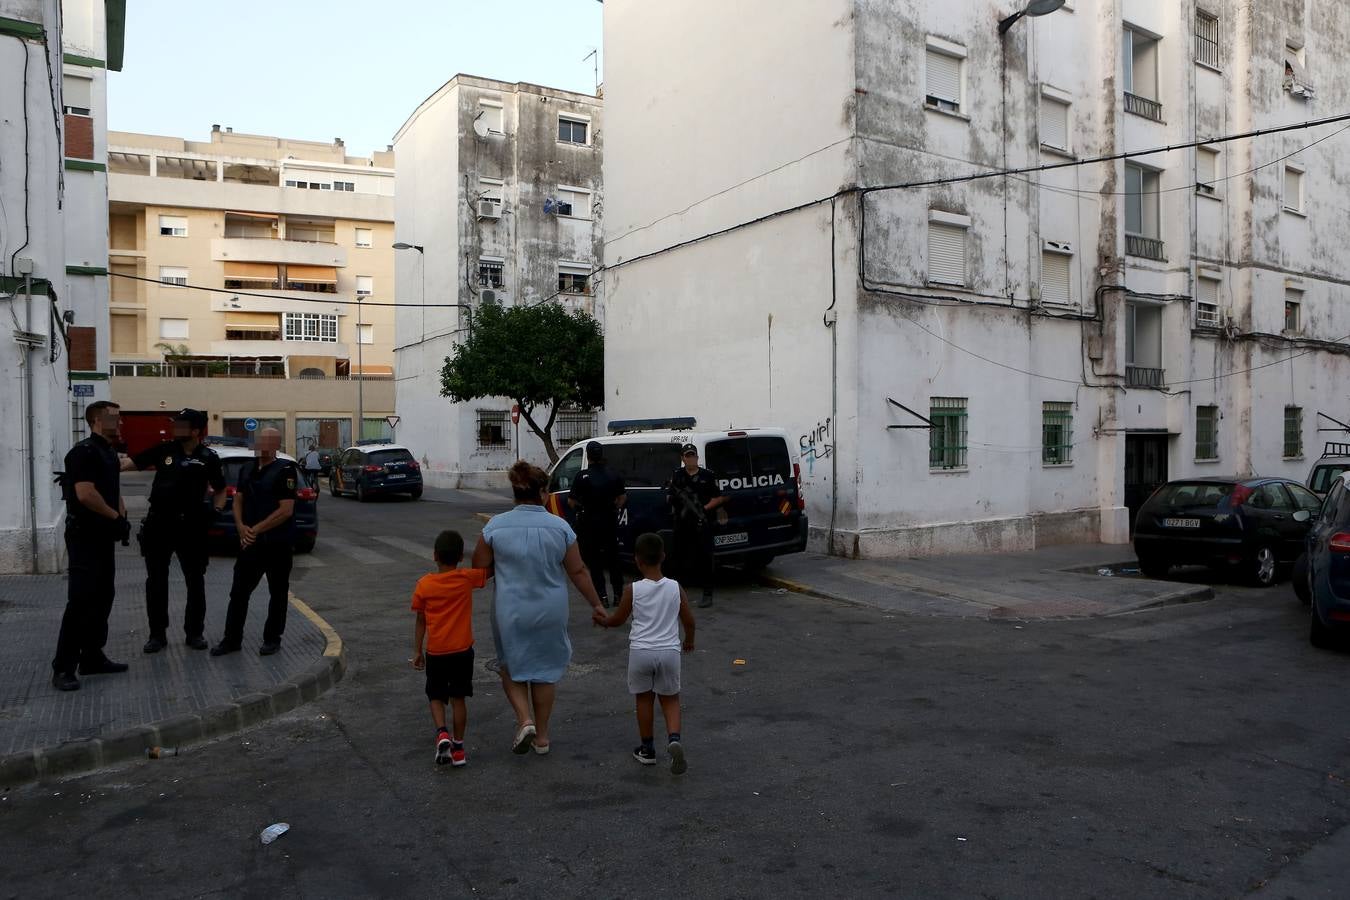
x,y
480,126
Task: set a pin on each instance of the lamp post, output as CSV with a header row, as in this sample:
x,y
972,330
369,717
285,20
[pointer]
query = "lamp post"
x,y
1033,8
360,375
421,251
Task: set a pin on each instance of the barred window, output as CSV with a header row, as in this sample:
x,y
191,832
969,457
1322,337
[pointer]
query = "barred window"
x,y
492,424
1206,39
1293,432
1206,432
947,439
1056,434
491,273
573,425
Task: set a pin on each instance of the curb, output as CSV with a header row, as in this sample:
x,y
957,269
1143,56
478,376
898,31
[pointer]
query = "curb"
x,y
77,757
1195,594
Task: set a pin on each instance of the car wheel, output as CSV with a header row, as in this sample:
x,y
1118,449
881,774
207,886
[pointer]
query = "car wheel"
x,y
332,488
304,545
1153,568
415,493
361,493
1319,635
1302,585
1265,566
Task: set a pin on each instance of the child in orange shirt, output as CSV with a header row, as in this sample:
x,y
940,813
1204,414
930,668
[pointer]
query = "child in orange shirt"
x,y
444,604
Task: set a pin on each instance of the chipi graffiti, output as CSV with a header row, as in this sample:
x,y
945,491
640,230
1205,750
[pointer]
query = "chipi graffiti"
x,y
816,445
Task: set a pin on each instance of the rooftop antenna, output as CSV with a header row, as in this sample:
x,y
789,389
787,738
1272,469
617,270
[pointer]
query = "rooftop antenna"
x,y
595,52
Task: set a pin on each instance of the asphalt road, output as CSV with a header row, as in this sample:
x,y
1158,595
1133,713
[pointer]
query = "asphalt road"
x,y
1194,751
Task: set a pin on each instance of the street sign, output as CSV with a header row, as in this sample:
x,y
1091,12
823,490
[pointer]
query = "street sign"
x,y
84,390
515,414
250,424
391,421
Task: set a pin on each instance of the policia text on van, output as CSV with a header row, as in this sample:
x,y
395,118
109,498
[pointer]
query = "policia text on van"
x,y
764,515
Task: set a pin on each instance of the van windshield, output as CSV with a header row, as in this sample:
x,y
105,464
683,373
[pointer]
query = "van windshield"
x,y
644,465
748,457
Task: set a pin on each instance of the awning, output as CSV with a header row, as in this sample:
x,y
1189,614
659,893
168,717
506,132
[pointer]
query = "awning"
x,y
312,274
270,217
373,370
253,321
254,271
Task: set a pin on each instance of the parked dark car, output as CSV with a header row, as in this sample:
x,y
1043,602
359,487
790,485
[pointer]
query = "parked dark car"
x,y
371,469
224,536
1327,568
1257,525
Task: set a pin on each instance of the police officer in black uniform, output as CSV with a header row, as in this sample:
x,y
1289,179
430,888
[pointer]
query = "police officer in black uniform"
x,y
177,523
597,495
693,495
264,514
96,519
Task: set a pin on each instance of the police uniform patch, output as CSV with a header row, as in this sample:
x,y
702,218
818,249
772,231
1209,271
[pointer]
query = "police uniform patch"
x,y
290,483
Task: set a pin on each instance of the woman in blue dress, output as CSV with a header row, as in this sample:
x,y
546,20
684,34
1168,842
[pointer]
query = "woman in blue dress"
x,y
533,554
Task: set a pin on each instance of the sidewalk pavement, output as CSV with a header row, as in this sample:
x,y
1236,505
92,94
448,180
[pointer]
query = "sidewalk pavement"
x,y
169,699
1049,583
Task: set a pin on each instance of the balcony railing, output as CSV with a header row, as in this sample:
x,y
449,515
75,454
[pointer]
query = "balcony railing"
x,y
1145,377
1142,106
1145,247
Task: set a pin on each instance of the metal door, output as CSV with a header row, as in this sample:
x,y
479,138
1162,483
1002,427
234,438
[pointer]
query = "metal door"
x,y
1145,469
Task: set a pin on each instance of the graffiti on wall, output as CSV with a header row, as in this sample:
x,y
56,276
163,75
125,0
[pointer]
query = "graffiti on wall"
x,y
817,444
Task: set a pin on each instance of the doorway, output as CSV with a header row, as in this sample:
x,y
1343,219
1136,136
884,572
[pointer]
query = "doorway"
x,y
1145,469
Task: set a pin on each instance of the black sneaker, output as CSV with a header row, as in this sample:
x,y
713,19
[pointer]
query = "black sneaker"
x,y
269,647
155,644
677,763
103,666
442,748
223,648
645,755
65,681
196,642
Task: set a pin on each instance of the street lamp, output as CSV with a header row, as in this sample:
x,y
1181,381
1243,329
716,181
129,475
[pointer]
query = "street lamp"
x,y
404,245
360,375
1033,8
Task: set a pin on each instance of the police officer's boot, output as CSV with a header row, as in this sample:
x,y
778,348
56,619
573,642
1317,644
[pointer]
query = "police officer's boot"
x,y
156,643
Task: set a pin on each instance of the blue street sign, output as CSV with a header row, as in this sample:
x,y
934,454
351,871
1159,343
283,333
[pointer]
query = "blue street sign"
x,y
83,390
250,424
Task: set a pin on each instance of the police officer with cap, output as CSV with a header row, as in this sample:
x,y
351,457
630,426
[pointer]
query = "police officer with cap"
x,y
177,524
597,495
264,514
96,519
693,495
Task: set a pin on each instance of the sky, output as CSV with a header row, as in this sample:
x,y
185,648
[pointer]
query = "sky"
x,y
321,69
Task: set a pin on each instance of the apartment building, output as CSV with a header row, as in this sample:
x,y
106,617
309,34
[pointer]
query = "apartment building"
x,y
974,360
248,274
54,58
498,201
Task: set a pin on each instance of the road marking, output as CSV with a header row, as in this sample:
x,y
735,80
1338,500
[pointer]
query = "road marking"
x,y
498,499
307,561
1192,625
361,554
412,548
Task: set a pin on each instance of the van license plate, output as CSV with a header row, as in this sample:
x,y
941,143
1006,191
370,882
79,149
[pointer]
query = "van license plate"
x,y
726,540
1181,523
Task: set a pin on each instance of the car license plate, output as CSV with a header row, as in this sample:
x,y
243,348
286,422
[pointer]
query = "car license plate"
x,y
725,540
1181,523
391,477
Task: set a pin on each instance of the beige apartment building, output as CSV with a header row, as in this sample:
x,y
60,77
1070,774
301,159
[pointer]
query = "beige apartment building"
x,y
246,273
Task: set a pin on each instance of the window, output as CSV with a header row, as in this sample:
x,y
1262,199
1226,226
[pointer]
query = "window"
x,y
365,334
173,226
490,113
1141,201
1055,276
77,95
947,248
1293,307
574,278
344,186
1140,53
492,424
1293,189
567,470
943,69
1207,171
1295,71
173,329
1293,432
574,425
947,438
572,131
1056,434
365,285
1143,345
491,272
1207,302
175,275
574,202
310,327
1206,39
364,237
1206,432
1054,123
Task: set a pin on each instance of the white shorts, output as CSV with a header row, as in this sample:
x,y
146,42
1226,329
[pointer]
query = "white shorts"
x,y
654,670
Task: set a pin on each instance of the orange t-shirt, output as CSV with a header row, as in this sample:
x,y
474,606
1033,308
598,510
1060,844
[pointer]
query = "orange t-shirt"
x,y
446,598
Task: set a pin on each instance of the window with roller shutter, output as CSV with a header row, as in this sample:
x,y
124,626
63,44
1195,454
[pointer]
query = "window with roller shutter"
x,y
946,254
1055,269
1055,124
1207,171
1293,189
943,90
1207,302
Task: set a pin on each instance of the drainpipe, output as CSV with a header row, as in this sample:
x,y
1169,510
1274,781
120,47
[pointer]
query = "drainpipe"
x,y
30,423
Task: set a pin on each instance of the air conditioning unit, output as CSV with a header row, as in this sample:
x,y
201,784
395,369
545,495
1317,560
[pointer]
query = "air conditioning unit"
x,y
491,298
489,209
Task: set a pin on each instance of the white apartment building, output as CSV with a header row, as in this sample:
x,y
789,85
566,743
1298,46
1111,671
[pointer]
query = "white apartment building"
x,y
811,249
498,199
54,58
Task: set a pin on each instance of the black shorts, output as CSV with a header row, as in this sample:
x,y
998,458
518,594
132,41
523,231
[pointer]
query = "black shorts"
x,y
449,675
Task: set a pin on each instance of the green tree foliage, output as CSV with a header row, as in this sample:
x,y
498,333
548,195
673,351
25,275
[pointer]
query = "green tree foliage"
x,y
543,357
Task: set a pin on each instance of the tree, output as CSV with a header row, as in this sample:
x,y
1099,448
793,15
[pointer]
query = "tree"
x,y
540,356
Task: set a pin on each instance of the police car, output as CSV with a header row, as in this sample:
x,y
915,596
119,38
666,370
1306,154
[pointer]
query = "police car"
x,y
764,516
375,467
223,534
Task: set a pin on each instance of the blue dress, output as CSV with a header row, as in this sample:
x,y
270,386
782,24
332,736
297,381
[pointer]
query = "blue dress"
x,y
529,609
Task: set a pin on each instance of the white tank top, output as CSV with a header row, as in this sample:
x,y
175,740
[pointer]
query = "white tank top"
x,y
656,615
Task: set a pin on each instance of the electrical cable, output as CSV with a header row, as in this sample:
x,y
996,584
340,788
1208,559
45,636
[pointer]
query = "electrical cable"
x,y
327,301
27,168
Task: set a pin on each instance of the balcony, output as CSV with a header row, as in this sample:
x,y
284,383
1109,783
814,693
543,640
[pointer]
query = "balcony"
x,y
1144,377
1142,106
272,250
1145,247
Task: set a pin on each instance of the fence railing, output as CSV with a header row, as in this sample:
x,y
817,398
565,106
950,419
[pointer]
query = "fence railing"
x,y
1142,106
1145,377
1145,247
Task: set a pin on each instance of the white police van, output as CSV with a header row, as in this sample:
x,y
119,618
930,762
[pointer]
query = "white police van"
x,y
765,513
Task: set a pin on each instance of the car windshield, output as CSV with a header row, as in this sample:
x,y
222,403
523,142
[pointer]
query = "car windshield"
x,y
1193,493
1323,477
644,465
385,457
